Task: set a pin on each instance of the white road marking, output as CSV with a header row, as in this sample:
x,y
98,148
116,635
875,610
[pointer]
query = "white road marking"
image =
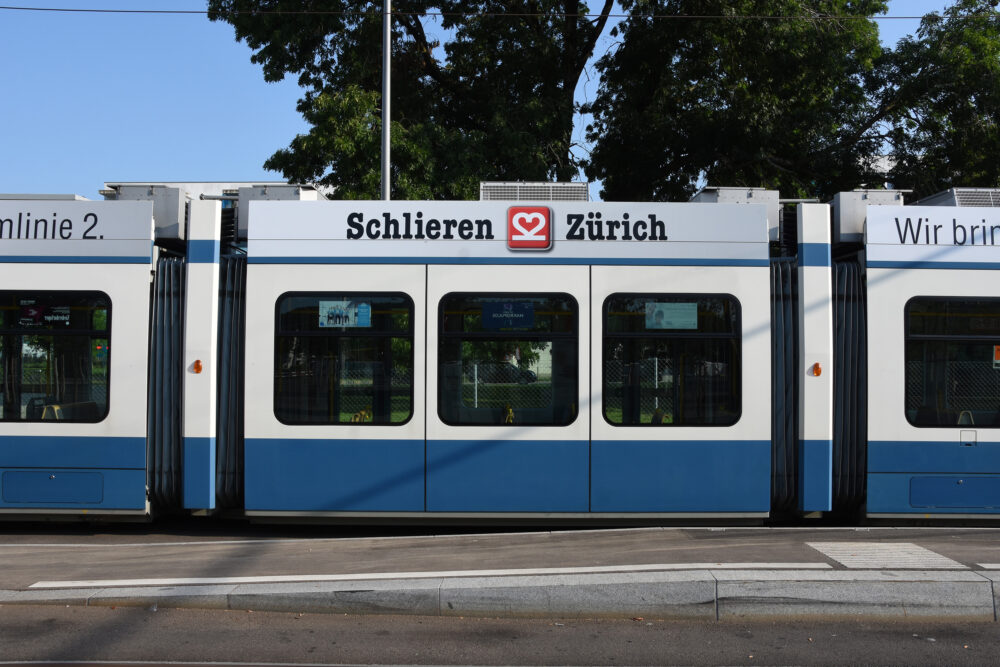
x,y
884,555
369,576
183,663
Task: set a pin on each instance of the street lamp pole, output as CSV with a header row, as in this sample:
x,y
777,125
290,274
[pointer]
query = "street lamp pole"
x,y
386,53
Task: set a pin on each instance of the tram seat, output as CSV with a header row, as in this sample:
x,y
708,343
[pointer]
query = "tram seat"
x,y
81,411
34,408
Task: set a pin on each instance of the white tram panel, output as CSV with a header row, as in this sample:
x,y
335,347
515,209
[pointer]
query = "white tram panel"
x,y
919,251
889,291
498,282
724,252
750,288
707,466
329,466
97,247
60,463
266,283
941,458
514,445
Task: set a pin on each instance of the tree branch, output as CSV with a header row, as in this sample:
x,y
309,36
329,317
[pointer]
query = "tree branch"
x,y
415,29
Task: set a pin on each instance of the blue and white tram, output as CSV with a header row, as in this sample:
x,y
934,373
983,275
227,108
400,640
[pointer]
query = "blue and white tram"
x,y
490,359
479,361
934,361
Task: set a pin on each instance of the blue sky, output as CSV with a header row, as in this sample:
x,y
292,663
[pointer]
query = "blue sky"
x,y
96,97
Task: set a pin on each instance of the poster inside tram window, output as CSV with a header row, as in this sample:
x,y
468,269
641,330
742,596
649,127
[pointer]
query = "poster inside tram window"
x,y
671,315
345,314
35,315
508,316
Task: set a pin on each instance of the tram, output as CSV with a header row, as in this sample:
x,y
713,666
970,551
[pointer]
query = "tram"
x,y
262,351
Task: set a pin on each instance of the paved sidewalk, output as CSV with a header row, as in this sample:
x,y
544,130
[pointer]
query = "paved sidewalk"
x,y
745,574
708,594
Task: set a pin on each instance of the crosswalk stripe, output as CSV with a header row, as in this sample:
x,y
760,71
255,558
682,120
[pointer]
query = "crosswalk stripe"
x,y
884,555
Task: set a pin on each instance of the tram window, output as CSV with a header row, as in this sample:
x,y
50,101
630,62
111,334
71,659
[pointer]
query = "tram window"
x,y
671,360
953,361
54,356
343,358
508,359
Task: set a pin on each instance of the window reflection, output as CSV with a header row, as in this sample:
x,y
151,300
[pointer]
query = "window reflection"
x,y
671,360
344,358
54,356
953,362
508,359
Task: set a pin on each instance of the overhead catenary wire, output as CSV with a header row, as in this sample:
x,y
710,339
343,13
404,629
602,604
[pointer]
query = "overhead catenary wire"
x,y
320,12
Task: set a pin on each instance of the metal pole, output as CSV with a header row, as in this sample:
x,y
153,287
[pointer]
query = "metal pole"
x,y
386,53
656,383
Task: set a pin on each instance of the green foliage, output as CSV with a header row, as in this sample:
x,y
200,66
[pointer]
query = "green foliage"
x,y
741,100
942,90
527,352
494,102
793,95
345,139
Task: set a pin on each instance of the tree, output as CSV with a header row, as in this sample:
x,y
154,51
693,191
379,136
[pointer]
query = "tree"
x,y
492,102
944,87
757,93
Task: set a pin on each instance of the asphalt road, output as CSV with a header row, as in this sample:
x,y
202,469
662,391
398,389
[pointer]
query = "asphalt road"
x,y
65,634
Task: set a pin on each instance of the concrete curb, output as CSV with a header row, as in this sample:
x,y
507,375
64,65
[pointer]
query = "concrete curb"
x,y
693,594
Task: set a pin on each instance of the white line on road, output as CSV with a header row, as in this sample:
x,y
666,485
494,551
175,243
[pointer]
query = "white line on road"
x,y
368,576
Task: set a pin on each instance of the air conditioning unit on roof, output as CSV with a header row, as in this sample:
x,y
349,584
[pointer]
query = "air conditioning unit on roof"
x,y
963,197
850,210
520,191
739,195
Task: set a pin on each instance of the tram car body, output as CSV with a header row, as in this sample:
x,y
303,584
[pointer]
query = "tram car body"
x,y
495,360
74,281
375,331
934,361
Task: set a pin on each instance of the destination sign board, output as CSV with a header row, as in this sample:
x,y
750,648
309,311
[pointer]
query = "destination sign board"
x,y
471,231
933,236
71,231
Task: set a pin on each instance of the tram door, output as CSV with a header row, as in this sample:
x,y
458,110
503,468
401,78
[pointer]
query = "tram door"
x,y
335,388
681,364
934,392
508,403
933,362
